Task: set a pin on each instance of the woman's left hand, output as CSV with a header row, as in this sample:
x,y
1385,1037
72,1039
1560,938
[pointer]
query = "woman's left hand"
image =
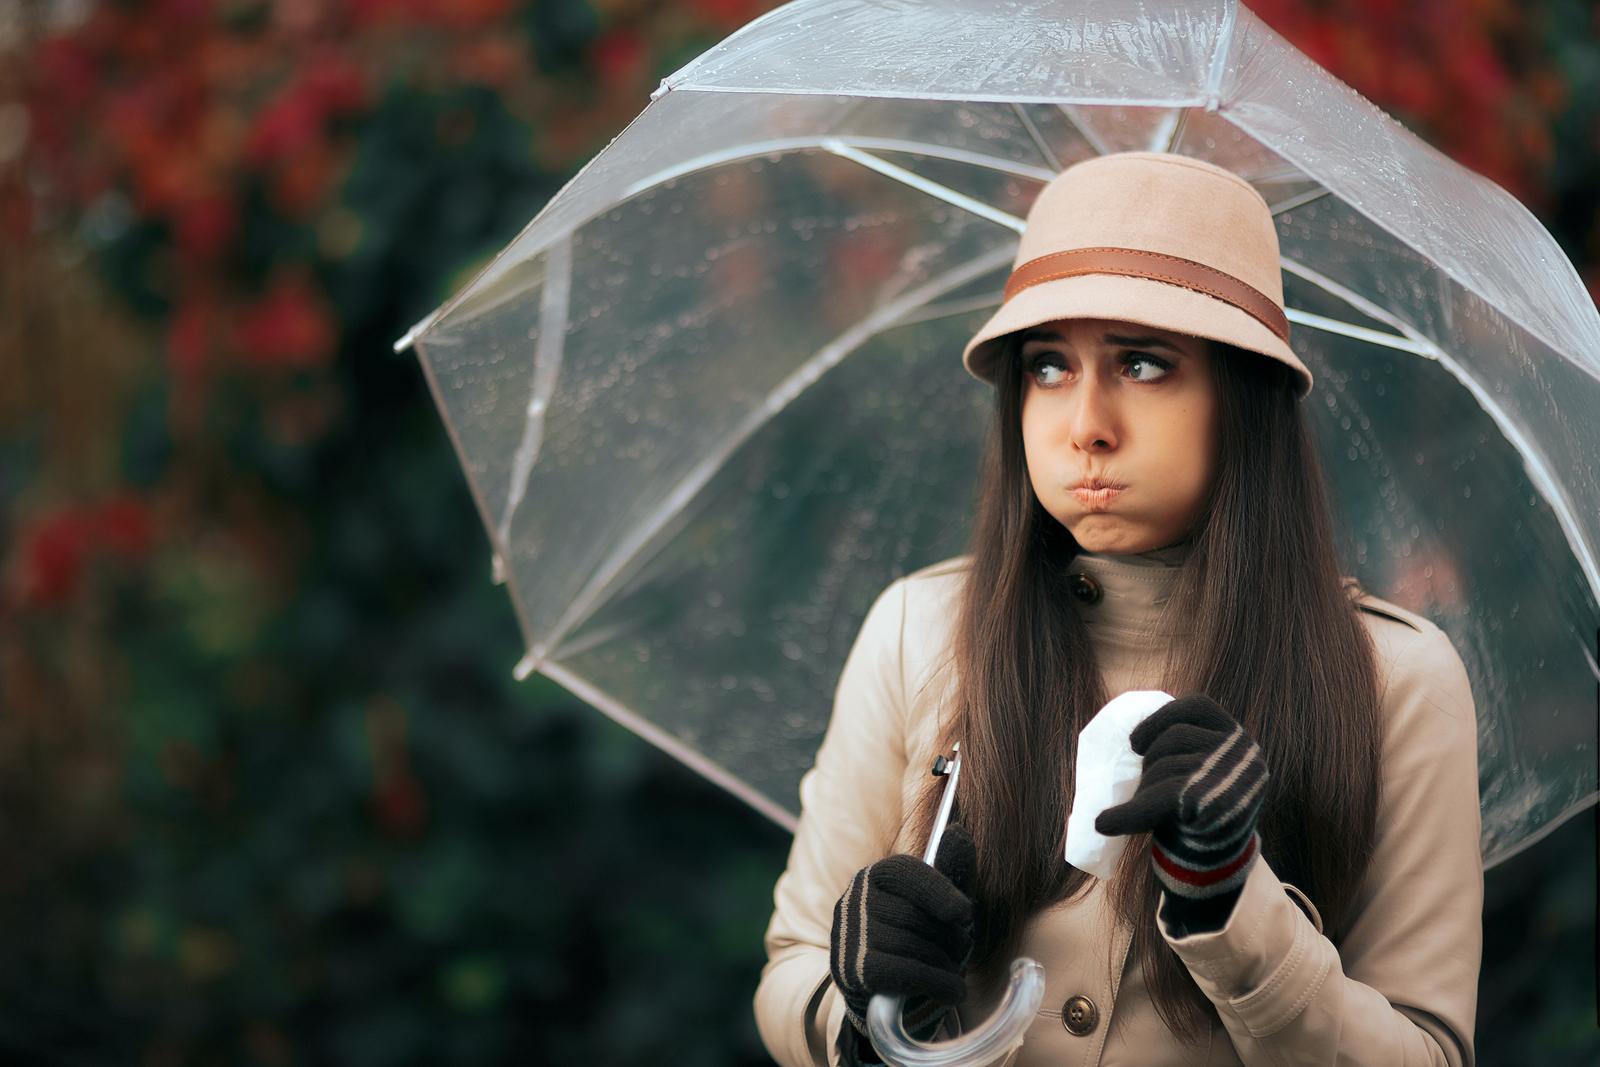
x,y
1199,798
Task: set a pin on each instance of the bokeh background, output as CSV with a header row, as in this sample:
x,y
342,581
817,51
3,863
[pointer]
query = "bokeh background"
x,y
268,795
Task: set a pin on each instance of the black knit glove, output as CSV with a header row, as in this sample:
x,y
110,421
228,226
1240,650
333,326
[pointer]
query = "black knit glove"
x,y
903,928
1200,798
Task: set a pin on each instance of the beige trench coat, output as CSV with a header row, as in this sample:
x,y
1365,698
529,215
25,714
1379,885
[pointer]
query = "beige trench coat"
x,y
1400,990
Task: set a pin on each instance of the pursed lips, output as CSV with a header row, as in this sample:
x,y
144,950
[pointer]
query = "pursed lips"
x,y
1097,494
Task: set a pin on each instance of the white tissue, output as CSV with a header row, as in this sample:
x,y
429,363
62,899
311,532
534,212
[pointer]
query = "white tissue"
x,y
1108,773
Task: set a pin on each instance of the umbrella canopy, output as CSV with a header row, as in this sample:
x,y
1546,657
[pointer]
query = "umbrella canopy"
x,y
710,401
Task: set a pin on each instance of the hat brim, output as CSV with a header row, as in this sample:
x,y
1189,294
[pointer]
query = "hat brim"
x,y
1140,300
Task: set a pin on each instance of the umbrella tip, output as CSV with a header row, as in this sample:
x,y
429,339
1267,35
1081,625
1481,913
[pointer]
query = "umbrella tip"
x,y
412,334
528,663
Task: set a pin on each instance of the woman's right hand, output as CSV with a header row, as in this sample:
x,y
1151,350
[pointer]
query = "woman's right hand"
x,y
903,928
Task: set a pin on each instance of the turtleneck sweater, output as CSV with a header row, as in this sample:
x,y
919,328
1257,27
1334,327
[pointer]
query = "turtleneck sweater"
x,y
1125,610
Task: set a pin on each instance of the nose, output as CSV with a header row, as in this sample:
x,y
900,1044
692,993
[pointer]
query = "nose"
x,y
1093,426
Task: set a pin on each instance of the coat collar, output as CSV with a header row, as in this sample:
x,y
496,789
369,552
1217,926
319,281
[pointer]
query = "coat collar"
x,y
1134,591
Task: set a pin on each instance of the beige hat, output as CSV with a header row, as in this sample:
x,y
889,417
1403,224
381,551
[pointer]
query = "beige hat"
x,y
1147,237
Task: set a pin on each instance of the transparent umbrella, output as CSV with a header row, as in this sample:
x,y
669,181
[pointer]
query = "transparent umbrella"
x,y
710,402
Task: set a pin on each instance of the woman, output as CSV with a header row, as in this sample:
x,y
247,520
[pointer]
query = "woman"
x,y
1151,517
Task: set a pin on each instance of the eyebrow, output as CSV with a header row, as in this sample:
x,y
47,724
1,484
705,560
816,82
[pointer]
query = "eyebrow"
x,y
1141,342
1111,338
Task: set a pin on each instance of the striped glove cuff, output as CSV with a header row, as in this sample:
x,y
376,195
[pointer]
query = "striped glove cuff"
x,y
1212,845
1198,882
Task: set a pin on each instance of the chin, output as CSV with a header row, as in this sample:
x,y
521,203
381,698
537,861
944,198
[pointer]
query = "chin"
x,y
1118,548
1114,541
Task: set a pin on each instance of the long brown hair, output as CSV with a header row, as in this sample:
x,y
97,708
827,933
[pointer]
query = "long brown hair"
x,y
1275,640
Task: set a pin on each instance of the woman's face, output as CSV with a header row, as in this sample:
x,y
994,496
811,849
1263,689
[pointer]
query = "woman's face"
x,y
1119,423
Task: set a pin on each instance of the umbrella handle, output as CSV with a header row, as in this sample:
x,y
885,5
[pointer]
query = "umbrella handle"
x,y
1000,1033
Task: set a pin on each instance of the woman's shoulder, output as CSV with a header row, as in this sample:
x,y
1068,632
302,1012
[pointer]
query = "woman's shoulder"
x,y
1398,634
916,615
931,598
1419,670
941,578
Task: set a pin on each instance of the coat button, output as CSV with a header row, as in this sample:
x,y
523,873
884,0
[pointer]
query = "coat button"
x,y
1083,587
1079,1015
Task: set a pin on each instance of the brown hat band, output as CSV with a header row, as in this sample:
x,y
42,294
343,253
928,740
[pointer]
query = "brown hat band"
x,y
1137,263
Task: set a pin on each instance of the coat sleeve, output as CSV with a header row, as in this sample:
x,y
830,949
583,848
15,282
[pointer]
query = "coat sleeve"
x,y
1401,989
850,815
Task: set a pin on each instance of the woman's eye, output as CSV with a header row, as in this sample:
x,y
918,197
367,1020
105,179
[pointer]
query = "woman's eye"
x,y
1142,368
1049,371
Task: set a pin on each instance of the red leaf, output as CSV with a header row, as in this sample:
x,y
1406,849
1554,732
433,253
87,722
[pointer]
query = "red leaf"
x,y
618,55
369,12
459,14
68,71
298,117
124,526
728,14
294,121
185,10
187,342
53,556
1413,88
336,84
287,328
203,228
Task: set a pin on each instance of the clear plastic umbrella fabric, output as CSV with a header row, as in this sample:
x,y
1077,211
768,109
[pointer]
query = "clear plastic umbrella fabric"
x,y
711,400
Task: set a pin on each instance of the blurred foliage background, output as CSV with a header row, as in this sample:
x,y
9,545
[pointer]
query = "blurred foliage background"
x,y
268,794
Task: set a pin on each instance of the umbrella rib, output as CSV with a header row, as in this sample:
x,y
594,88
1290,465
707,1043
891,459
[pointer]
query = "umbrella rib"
x,y
952,307
546,367
916,181
1290,173
879,144
616,566
1219,58
1298,201
1071,111
1538,467
1038,139
1171,129
749,151
1494,859
1360,333
590,640
671,745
